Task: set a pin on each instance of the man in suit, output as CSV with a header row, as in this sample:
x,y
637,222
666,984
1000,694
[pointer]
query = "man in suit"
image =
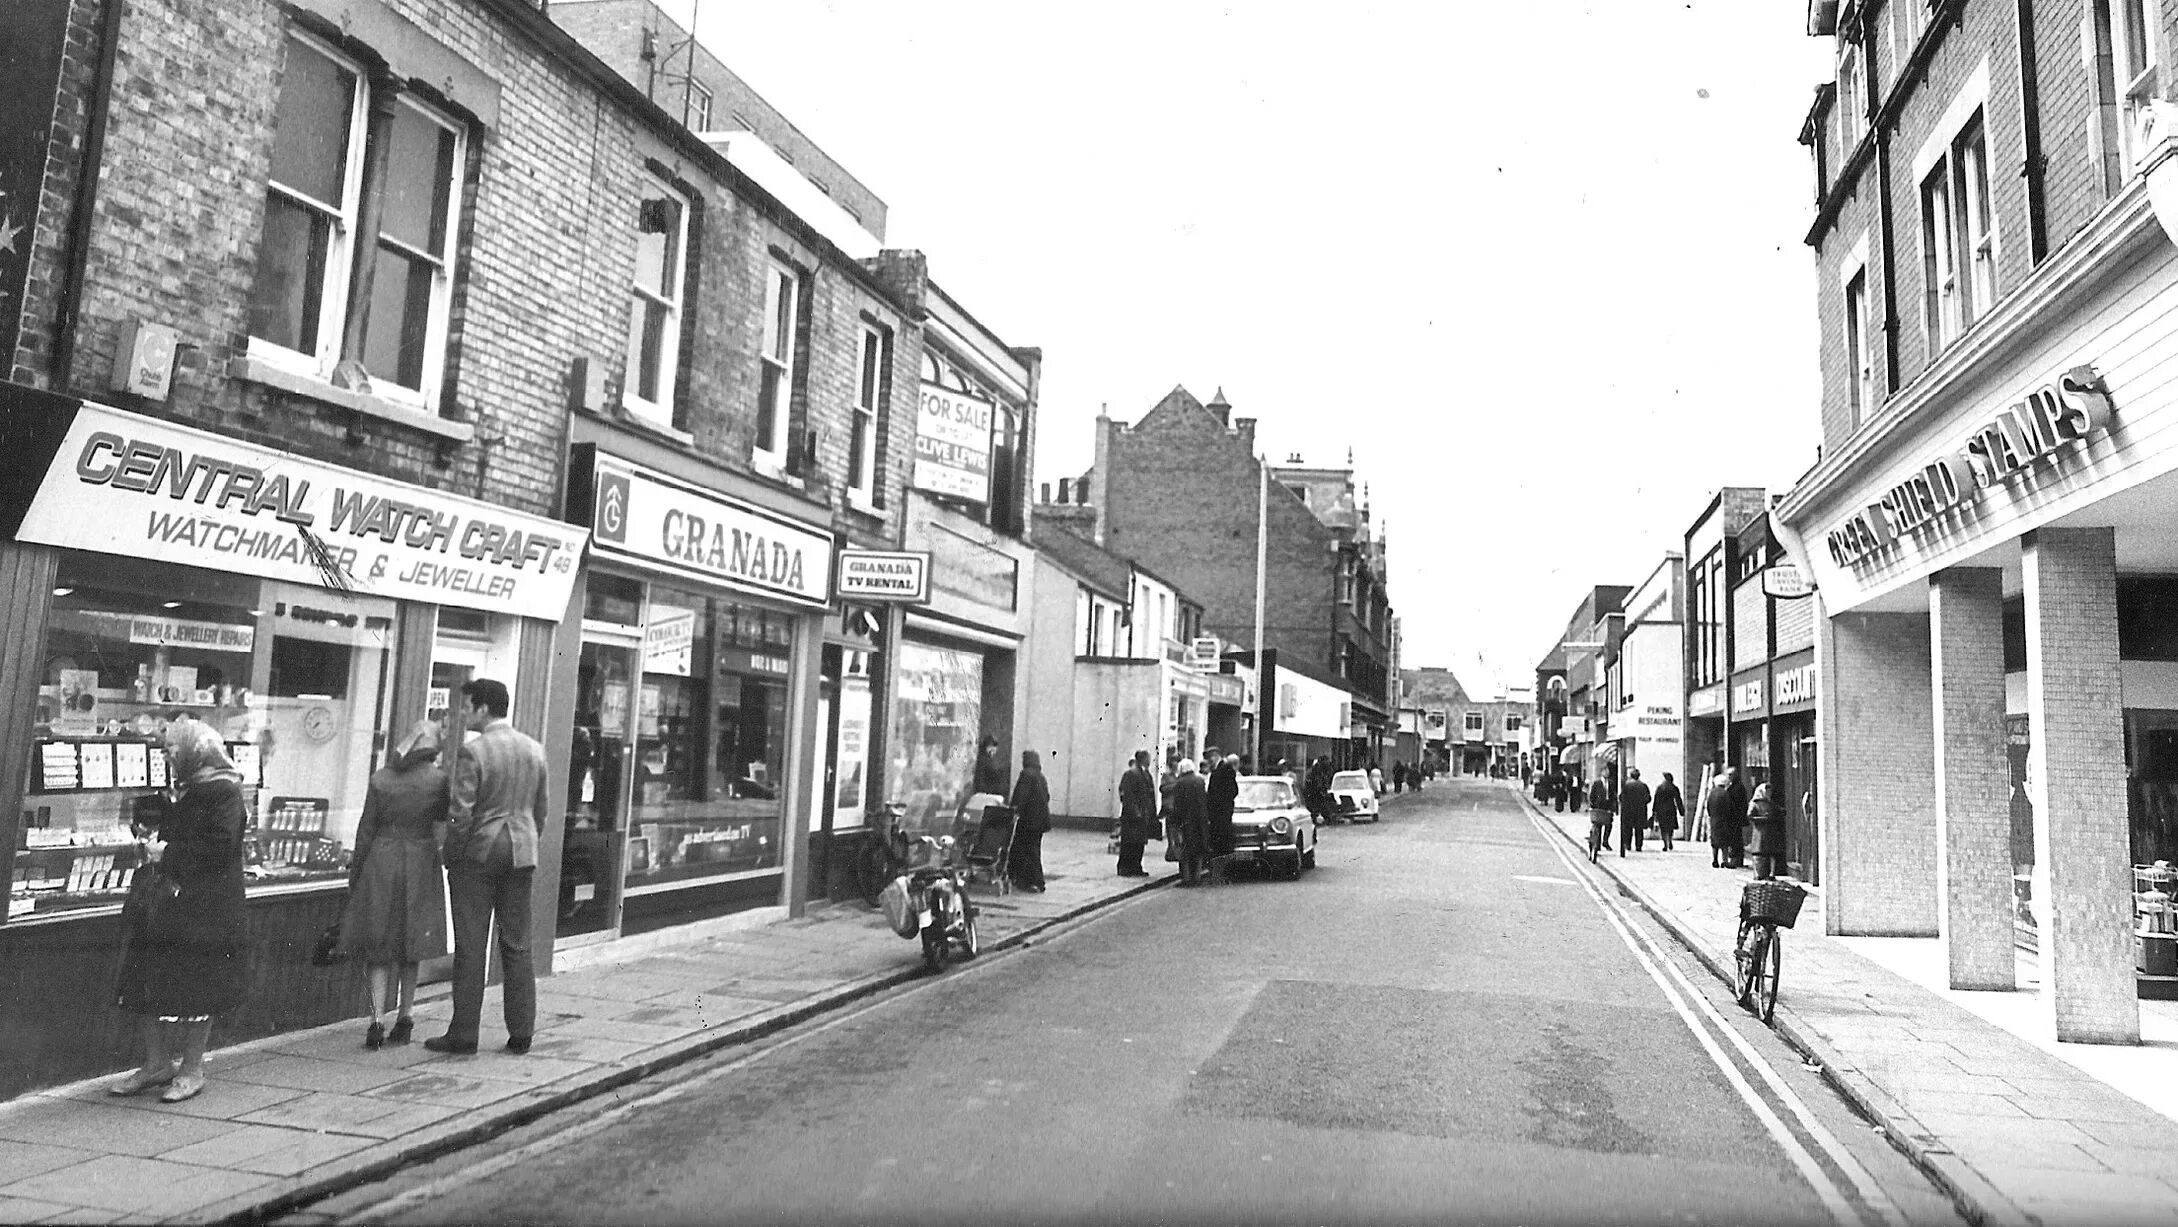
x,y
1190,814
496,800
1137,810
1633,811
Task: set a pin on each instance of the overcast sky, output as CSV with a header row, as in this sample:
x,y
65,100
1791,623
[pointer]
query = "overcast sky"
x,y
1539,265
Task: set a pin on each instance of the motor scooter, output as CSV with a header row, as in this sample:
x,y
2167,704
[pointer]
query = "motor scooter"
x,y
931,901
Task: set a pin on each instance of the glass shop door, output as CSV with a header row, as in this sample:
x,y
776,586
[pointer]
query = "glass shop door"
x,y
599,776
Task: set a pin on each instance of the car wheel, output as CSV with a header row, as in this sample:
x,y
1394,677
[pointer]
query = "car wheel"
x,y
1307,860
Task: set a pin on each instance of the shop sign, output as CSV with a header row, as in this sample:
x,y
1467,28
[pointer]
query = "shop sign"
x,y
1747,696
138,487
901,576
648,517
669,640
181,632
2076,406
1795,686
747,661
1227,690
953,444
1203,651
1707,701
1785,582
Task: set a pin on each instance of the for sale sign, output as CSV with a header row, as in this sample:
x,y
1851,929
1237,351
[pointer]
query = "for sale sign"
x,y
953,444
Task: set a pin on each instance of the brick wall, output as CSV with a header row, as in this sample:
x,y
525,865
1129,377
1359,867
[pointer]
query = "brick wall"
x,y
1973,777
1181,499
545,260
1750,625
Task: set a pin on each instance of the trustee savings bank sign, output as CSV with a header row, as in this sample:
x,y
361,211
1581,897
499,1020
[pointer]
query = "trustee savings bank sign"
x,y
2051,418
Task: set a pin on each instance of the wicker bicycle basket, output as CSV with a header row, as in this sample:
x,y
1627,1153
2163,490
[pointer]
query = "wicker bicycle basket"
x,y
1773,901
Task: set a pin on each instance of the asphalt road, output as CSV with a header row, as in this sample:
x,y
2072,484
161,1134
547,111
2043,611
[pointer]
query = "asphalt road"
x,y
1441,1023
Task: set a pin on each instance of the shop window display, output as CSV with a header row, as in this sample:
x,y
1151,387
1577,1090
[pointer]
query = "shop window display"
x,y
710,739
294,678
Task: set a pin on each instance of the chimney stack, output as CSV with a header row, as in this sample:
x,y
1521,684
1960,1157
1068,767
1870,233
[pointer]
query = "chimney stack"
x,y
1245,427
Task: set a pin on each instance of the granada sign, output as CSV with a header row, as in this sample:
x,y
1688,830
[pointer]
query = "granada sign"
x,y
2049,420
653,519
123,483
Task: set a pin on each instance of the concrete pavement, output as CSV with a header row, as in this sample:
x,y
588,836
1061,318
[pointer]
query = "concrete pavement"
x,y
2019,1128
292,1117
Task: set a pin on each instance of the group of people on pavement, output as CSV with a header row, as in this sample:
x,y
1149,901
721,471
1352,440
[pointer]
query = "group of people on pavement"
x,y
185,946
1741,823
1635,806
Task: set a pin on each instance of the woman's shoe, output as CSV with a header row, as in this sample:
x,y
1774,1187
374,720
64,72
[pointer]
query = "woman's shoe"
x,y
137,1083
403,1028
375,1038
185,1087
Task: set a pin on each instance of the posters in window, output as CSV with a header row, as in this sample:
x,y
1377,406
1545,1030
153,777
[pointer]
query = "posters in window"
x,y
937,716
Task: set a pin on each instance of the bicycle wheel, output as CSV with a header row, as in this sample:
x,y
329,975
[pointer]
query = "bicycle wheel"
x,y
1766,974
1746,948
872,868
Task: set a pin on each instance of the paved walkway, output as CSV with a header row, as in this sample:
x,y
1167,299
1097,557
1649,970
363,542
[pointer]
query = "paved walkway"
x,y
295,1116
2018,1128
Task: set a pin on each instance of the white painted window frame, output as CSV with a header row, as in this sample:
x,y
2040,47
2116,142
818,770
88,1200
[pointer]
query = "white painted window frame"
x,y
1859,349
1946,313
875,354
439,325
659,411
340,248
779,352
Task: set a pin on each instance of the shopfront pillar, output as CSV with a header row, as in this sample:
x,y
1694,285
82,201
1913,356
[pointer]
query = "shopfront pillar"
x,y
1878,793
2076,779
1973,777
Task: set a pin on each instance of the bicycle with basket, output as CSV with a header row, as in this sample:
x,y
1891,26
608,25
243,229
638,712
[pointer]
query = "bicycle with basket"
x,y
1765,906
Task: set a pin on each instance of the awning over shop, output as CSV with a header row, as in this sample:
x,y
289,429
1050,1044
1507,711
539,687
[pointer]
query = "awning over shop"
x,y
1569,754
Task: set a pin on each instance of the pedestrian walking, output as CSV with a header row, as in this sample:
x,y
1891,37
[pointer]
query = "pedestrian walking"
x,y
1032,817
1765,833
395,917
1668,807
1376,776
1316,789
496,802
990,773
1190,813
1137,812
1599,796
185,958
1166,780
1726,807
1633,811
1558,787
1223,791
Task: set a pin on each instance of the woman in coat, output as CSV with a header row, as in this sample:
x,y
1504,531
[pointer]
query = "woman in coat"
x,y
1727,808
1765,833
396,913
1223,793
1666,807
184,961
1032,817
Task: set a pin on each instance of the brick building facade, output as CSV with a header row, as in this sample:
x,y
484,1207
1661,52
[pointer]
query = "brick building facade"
x,y
436,254
1986,527
1179,490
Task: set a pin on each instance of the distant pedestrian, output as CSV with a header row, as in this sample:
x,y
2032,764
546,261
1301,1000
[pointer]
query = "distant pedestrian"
x,y
1668,806
1558,787
1765,833
1376,777
1316,789
1032,817
990,773
1633,811
1599,796
1223,790
1190,812
1166,780
1137,814
1399,776
1726,807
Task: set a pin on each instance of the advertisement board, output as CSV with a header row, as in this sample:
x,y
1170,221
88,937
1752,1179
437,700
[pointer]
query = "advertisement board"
x,y
953,444
666,524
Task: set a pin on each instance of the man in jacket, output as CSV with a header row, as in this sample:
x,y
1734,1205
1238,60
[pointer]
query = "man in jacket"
x,y
1633,811
1137,810
1190,813
1727,809
1032,817
496,801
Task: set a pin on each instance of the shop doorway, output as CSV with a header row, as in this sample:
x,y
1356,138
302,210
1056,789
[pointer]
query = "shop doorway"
x,y
1804,831
602,742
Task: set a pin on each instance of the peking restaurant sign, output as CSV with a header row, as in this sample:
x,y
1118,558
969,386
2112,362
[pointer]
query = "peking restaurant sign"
x,y
2043,425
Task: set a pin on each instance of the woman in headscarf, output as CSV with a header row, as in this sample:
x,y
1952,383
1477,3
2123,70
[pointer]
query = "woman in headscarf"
x,y
1032,814
184,961
396,914
1765,833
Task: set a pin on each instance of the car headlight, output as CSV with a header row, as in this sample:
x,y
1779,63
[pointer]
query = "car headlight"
x,y
1281,826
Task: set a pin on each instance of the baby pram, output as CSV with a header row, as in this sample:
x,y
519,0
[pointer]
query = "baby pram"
x,y
990,845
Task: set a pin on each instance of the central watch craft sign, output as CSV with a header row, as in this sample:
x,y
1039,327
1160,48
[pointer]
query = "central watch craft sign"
x,y
2051,418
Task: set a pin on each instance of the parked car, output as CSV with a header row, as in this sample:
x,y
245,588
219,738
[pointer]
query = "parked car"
x,y
1353,798
1271,825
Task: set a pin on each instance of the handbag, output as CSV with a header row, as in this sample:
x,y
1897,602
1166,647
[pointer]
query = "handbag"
x,y
1111,846
149,893
327,952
